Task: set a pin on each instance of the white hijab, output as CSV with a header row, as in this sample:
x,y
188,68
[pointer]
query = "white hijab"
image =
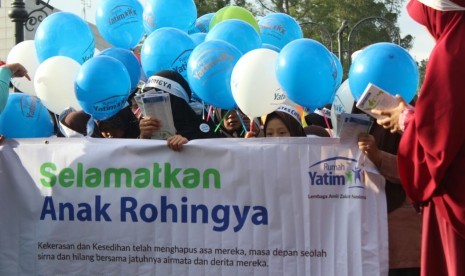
x,y
442,5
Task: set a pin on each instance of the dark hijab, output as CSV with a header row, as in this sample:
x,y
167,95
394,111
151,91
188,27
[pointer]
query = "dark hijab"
x,y
124,119
219,115
186,121
293,126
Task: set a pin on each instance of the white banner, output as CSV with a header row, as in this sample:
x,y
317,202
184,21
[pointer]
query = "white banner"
x,y
297,206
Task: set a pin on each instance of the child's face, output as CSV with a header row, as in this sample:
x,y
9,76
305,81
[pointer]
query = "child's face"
x,y
233,123
276,128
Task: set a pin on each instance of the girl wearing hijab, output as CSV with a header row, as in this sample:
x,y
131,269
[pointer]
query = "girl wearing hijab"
x,y
431,154
188,124
229,125
283,122
123,124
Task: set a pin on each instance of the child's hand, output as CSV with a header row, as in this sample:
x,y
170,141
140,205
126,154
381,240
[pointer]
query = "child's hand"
x,y
176,142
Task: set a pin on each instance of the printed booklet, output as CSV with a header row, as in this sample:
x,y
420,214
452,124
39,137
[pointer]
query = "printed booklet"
x,y
157,105
375,98
351,125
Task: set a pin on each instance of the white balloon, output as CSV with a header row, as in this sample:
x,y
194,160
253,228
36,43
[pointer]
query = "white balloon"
x,y
54,83
343,103
254,85
24,53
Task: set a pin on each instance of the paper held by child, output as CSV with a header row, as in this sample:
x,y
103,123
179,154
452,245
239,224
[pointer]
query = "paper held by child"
x,y
376,98
351,125
157,105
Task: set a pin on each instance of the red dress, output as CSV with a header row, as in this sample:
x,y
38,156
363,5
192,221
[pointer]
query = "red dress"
x,y
431,155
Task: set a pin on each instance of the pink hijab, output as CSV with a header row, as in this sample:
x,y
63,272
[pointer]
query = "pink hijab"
x,y
431,156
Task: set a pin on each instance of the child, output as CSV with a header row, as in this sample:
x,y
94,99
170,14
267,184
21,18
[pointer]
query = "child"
x,y
283,122
188,124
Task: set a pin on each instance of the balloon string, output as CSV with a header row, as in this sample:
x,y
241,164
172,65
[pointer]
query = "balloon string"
x,y
369,127
209,112
240,119
136,111
222,119
56,119
327,124
203,112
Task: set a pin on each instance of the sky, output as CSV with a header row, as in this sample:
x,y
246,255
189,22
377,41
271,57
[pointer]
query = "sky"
x,y
422,44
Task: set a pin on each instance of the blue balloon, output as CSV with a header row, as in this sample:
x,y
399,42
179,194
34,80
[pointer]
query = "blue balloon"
x,y
388,66
102,86
278,29
339,75
166,49
305,70
64,34
129,60
209,72
271,47
198,38
237,32
120,22
25,116
179,14
339,70
202,24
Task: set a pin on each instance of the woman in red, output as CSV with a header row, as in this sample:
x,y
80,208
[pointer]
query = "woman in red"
x,y
431,155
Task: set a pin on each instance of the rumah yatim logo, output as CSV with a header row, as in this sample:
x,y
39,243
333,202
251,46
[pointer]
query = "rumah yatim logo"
x,y
121,15
273,27
336,177
88,53
180,62
110,104
29,106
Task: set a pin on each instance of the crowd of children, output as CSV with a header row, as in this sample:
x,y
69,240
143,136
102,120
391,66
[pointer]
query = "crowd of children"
x,y
285,121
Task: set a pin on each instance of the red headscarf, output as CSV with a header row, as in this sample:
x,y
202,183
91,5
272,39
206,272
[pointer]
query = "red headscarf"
x,y
431,154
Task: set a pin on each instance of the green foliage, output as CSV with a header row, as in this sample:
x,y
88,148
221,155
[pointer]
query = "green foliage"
x,y
422,69
407,42
204,6
208,6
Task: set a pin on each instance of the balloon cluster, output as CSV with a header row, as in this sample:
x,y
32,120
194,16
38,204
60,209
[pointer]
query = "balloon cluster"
x,y
230,60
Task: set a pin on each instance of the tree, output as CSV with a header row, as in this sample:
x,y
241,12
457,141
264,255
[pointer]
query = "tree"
x,y
422,69
204,6
208,6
